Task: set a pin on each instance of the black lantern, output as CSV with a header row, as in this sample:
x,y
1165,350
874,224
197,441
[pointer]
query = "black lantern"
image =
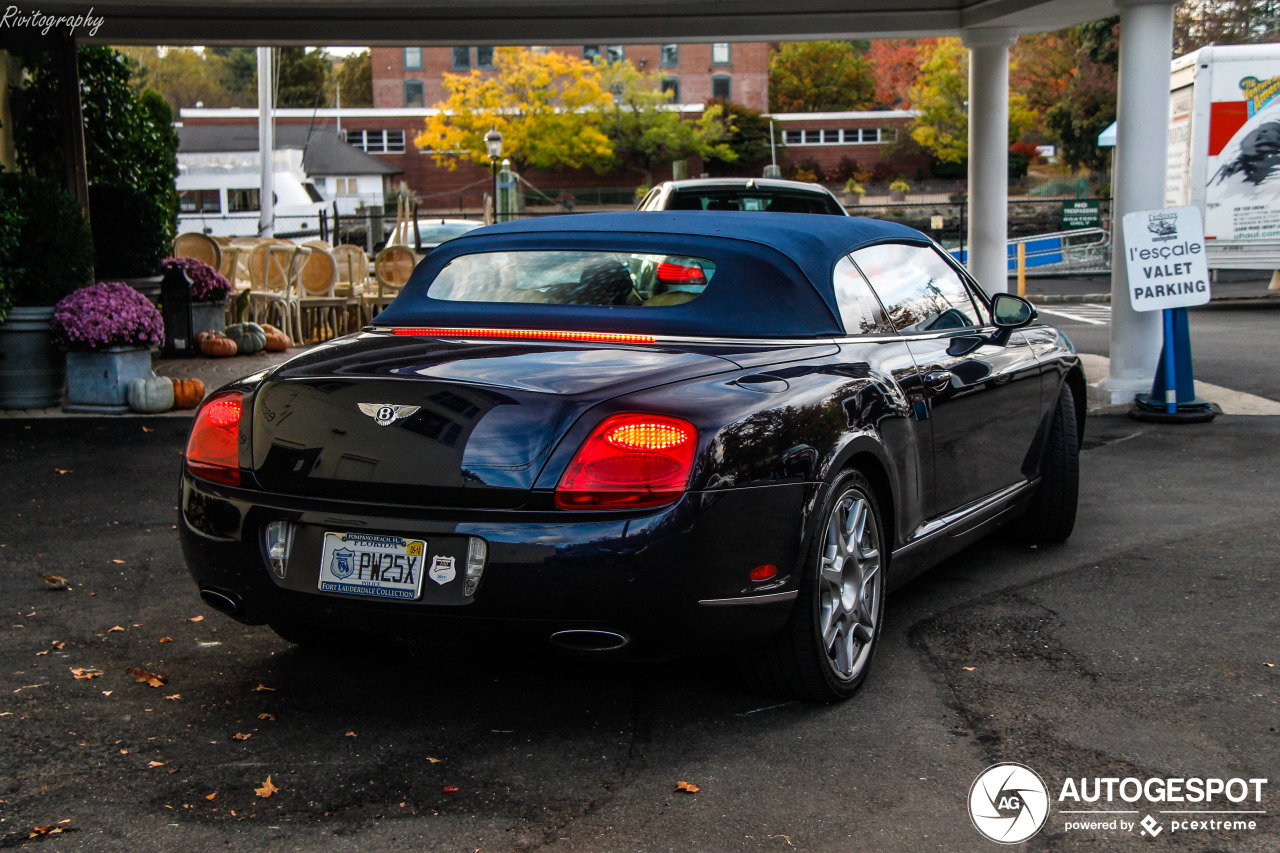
x,y
175,307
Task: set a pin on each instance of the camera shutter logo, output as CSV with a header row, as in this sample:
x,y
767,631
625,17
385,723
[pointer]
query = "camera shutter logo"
x,y
1008,803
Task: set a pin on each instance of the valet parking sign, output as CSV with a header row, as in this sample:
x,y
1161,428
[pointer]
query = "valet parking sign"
x,y
1164,254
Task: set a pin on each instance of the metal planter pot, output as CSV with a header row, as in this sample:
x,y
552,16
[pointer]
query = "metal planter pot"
x,y
32,369
98,381
208,316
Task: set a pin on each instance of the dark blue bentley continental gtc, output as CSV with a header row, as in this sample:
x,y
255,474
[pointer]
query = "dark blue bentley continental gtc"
x,y
640,433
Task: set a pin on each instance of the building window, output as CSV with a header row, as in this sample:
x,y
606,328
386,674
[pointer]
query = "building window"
x,y
461,58
590,52
830,137
848,136
792,137
199,201
672,85
377,141
484,58
614,53
720,87
414,95
812,137
720,53
670,56
346,186
413,59
243,201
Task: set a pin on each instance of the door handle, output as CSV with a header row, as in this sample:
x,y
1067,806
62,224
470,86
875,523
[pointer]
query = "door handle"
x,y
936,380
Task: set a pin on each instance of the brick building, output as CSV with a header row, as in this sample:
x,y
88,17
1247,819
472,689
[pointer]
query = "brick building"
x,y
414,76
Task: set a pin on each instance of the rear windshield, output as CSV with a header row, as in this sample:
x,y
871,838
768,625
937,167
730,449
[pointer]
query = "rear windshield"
x,y
573,278
772,201
439,232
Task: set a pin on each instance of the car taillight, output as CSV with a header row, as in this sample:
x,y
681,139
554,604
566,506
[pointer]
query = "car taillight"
x,y
630,461
213,451
671,273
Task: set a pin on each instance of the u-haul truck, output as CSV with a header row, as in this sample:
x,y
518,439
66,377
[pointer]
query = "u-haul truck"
x,y
1224,150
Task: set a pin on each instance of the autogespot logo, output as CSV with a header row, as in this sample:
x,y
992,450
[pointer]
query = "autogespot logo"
x,y
1008,803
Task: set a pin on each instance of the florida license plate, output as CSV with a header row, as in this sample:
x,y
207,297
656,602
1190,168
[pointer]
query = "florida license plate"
x,y
372,564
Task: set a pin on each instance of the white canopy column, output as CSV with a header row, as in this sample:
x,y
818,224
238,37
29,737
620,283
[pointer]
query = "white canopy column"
x,y
989,154
1142,121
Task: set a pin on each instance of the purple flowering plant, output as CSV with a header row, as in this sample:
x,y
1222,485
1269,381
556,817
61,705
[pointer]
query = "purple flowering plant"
x,y
107,314
207,284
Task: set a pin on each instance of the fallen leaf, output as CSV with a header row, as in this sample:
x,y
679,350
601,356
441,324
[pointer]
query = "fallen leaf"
x,y
433,760
351,734
118,562
84,672
450,789
968,668
114,628
143,677
45,652
1269,664
147,429
266,716
58,645
687,787
241,736
64,470
107,692
196,619
124,752
267,789
155,764
56,581
174,696
166,639
47,829
211,796
262,687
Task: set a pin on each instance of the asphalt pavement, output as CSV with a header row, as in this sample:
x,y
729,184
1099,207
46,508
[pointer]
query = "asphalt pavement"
x,y
1147,646
1142,647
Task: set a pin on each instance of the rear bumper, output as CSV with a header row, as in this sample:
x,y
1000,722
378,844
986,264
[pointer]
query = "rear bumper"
x,y
660,577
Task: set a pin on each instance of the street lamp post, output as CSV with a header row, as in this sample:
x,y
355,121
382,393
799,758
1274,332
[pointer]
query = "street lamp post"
x,y
493,145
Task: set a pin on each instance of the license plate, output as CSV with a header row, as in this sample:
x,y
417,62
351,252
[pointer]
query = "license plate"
x,y
372,564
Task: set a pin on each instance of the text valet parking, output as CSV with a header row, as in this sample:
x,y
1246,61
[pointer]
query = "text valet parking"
x,y
1165,259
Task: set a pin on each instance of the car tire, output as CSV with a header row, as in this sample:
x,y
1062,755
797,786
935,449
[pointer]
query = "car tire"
x,y
1052,514
826,649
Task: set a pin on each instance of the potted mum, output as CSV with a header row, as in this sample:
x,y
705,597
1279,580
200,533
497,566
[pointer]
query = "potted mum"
x,y
853,192
209,292
108,330
898,189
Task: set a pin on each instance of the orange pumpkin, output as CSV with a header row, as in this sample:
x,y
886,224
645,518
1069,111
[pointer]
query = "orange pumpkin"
x,y
277,341
187,393
218,345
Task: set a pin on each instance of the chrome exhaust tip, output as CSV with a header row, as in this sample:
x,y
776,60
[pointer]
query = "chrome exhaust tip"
x,y
589,640
224,602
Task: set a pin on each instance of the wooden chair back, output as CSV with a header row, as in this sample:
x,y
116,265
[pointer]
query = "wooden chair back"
x,y
392,268
202,247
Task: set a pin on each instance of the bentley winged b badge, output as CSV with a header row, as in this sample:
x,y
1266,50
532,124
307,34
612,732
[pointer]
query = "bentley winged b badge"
x,y
385,414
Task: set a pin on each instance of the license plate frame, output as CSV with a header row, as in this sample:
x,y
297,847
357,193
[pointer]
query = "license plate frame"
x,y
366,564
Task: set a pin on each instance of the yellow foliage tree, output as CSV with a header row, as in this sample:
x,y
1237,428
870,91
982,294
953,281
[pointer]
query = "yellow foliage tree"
x,y
941,94
549,108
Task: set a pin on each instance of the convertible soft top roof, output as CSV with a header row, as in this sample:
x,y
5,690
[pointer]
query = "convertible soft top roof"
x,y
773,272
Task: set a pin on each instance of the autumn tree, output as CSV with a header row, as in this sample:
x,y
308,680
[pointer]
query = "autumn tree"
x,y
355,80
1197,23
817,76
646,132
895,65
1088,104
1041,67
549,108
240,73
185,77
748,138
302,77
941,95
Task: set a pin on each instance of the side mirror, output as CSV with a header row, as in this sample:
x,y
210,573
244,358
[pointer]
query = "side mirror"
x,y
1011,312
